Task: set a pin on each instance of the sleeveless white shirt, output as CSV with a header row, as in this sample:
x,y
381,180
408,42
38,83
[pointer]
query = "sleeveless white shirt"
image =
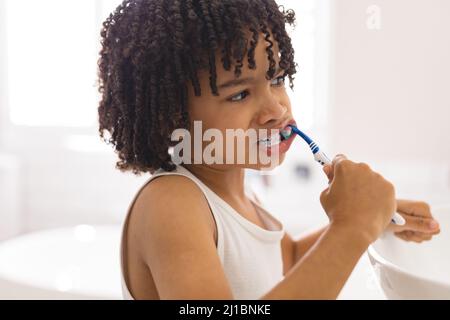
x,y
250,255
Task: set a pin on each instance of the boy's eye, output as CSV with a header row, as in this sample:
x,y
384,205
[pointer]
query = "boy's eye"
x,y
239,97
278,81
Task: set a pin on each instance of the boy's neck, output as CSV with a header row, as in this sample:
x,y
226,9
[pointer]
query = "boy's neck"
x,y
226,182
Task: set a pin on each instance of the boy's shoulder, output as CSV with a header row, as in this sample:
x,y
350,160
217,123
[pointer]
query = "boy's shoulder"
x,y
171,188
169,200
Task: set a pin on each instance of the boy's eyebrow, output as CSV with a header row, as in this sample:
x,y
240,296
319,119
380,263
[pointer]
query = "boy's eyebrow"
x,y
241,81
235,82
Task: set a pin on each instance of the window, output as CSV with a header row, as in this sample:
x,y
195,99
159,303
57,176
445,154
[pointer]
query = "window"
x,y
309,39
52,52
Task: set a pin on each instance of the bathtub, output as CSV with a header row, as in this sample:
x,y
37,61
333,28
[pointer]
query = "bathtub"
x,y
80,262
407,270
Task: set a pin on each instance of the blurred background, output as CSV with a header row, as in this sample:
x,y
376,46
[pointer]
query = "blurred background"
x,y
372,83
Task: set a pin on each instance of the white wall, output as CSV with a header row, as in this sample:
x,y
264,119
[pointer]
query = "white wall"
x,y
3,74
391,86
44,181
390,98
11,219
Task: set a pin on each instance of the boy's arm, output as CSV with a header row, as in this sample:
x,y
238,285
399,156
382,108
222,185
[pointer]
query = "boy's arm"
x,y
179,249
294,250
323,270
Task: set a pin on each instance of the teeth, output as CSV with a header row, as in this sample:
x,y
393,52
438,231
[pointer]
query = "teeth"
x,y
272,141
286,132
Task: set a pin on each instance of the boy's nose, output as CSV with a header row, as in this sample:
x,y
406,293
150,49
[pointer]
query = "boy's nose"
x,y
272,111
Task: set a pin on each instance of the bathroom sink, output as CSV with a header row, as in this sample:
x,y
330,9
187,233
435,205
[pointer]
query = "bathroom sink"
x,y
409,270
80,262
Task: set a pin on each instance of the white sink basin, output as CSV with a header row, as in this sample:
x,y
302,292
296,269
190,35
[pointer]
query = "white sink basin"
x,y
408,270
80,262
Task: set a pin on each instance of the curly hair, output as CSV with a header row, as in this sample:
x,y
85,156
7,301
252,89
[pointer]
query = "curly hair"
x,y
152,49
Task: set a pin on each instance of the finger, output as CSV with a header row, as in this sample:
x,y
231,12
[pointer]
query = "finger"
x,y
409,236
402,236
421,224
337,158
414,236
421,235
433,233
414,208
424,236
417,239
329,169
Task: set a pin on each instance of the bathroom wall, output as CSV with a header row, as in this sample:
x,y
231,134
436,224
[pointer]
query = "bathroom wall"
x,y
387,104
11,220
390,84
389,99
3,74
54,176
387,84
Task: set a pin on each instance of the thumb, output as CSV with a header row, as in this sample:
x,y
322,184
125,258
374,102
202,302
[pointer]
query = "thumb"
x,y
328,171
329,168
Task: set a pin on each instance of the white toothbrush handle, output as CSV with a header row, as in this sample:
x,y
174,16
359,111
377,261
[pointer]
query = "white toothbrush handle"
x,y
398,219
322,158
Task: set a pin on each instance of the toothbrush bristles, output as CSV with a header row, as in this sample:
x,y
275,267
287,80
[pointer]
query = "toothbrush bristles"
x,y
286,132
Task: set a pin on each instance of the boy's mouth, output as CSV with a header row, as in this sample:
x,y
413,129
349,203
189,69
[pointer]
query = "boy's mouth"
x,y
270,141
275,139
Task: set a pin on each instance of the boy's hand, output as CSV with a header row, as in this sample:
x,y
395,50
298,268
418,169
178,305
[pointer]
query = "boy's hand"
x,y
420,224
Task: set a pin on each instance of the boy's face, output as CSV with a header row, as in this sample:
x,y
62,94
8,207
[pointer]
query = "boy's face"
x,y
254,103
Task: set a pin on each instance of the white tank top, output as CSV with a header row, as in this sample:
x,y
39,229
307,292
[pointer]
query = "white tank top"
x,y
250,255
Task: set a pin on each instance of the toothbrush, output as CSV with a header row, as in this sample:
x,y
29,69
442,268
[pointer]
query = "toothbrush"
x,y
319,155
322,158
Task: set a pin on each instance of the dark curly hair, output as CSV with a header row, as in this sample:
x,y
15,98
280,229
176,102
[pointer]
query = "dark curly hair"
x,y
151,51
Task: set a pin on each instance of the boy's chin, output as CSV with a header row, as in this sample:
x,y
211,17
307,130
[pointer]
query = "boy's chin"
x,y
266,167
